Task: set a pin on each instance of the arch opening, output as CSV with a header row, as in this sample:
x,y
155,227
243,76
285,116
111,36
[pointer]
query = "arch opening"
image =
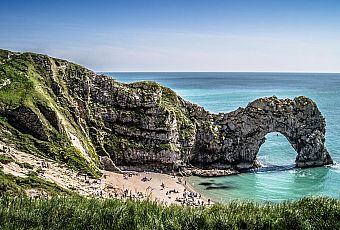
x,y
276,153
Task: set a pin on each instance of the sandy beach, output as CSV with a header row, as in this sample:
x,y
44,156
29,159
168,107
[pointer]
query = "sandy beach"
x,y
162,188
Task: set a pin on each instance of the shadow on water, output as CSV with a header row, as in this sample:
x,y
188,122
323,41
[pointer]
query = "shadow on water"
x,y
207,183
213,185
219,187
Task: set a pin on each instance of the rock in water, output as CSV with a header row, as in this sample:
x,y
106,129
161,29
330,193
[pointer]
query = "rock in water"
x,y
65,111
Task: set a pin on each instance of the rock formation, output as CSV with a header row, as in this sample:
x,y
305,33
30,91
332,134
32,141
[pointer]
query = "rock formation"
x,y
65,111
242,132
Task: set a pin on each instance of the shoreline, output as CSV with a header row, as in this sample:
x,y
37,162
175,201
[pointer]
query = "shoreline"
x,y
191,188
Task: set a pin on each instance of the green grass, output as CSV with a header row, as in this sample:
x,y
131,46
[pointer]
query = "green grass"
x,y
4,159
83,213
25,165
170,102
12,185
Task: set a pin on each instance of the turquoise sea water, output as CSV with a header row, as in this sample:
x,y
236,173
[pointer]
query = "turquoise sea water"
x,y
224,92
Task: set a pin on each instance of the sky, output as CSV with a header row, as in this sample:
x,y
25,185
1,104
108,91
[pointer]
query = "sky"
x,y
178,35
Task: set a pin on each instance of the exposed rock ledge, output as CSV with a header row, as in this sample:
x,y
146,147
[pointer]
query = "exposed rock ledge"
x,y
143,125
212,172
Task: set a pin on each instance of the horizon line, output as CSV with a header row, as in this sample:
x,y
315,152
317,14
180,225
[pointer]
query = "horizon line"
x,y
143,71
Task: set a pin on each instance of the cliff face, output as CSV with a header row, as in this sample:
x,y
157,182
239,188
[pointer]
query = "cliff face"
x,y
52,107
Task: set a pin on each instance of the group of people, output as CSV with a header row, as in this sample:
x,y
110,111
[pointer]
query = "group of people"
x,y
45,164
127,175
145,179
171,191
191,199
128,194
122,194
5,149
187,198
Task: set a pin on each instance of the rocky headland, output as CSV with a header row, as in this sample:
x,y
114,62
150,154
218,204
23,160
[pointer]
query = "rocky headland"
x,y
62,111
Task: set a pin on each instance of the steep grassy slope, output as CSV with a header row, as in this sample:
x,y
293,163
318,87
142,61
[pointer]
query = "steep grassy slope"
x,y
31,117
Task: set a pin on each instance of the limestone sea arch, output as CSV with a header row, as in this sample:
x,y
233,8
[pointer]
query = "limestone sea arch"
x,y
243,132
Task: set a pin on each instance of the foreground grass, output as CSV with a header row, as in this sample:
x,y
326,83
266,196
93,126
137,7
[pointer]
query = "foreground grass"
x,y
81,213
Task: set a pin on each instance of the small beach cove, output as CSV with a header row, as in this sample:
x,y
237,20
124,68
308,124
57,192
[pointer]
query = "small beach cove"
x,y
164,189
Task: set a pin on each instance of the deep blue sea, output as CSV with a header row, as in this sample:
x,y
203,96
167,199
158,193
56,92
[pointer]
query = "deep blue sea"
x,y
224,92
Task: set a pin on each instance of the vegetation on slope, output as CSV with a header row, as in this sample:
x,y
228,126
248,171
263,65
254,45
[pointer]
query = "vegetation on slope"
x,y
170,103
12,185
4,159
27,86
82,213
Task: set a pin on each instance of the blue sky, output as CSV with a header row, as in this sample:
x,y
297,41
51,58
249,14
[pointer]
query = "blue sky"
x,y
145,35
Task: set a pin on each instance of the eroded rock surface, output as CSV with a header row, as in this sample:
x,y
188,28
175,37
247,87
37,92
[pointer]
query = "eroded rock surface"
x,y
242,132
146,126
